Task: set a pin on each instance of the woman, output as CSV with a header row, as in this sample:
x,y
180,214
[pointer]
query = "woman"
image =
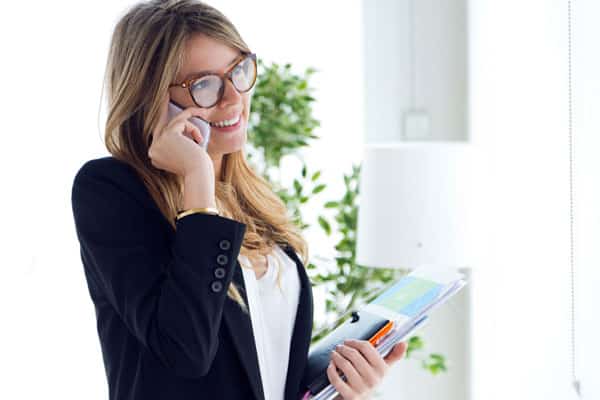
x,y
165,227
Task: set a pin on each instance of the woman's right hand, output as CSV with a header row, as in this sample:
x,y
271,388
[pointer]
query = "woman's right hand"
x,y
176,146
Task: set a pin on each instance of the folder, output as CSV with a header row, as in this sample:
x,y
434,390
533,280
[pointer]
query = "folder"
x,y
390,318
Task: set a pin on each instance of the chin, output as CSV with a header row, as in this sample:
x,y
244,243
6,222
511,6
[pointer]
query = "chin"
x,y
227,144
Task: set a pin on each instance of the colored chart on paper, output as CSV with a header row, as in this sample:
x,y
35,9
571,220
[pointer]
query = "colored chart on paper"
x,y
409,295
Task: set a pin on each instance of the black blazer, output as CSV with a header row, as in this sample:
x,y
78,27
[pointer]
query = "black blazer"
x,y
167,329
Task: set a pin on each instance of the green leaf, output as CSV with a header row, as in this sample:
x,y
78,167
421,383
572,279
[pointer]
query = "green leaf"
x,y
318,188
304,171
324,224
297,186
331,204
315,176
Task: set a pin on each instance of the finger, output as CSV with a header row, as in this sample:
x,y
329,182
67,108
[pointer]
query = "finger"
x,y
191,131
370,353
355,380
187,129
337,382
396,353
365,370
181,122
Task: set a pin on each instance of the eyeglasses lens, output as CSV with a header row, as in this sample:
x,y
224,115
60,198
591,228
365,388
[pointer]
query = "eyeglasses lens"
x,y
206,89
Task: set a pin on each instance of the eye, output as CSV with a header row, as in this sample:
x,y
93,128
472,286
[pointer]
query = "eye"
x,y
209,81
237,70
202,83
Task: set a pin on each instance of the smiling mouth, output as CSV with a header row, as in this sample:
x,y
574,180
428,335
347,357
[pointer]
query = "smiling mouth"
x,y
227,128
229,123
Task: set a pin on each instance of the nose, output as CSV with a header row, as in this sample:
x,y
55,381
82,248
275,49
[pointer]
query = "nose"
x,y
230,94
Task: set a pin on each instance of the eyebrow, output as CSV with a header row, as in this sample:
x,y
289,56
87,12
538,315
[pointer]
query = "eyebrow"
x,y
193,74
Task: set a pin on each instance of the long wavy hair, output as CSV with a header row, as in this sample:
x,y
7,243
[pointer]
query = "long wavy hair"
x,y
146,52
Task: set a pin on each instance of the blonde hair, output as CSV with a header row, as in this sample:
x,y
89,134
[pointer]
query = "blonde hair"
x,y
146,52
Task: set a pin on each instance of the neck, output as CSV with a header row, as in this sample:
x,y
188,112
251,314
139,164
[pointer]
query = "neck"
x,y
216,159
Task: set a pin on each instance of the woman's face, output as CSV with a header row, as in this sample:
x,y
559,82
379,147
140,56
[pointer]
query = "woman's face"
x,y
203,53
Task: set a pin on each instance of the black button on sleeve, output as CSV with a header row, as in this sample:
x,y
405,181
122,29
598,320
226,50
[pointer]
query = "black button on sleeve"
x,y
224,244
216,286
222,259
220,272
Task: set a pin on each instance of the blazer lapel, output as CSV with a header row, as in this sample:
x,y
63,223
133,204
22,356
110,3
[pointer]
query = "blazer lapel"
x,y
302,332
239,321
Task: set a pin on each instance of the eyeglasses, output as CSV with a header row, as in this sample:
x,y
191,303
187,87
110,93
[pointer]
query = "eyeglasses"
x,y
207,88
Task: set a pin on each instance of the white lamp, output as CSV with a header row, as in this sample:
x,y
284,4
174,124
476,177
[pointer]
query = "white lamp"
x,y
416,203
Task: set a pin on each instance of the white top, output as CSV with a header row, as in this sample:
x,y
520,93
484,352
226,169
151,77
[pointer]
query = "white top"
x,y
273,313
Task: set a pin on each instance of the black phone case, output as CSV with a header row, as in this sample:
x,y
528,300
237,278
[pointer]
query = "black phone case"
x,y
362,326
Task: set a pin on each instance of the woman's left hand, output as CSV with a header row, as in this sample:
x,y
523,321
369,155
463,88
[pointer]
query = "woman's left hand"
x,y
362,365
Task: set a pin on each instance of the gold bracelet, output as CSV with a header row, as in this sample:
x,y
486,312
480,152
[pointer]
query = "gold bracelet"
x,y
205,210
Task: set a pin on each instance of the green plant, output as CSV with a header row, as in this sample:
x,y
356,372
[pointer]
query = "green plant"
x,y
281,119
281,123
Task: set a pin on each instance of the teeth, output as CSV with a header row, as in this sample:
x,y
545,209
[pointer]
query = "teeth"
x,y
228,122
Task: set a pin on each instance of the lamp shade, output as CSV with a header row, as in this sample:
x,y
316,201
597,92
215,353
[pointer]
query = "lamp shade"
x,y
416,203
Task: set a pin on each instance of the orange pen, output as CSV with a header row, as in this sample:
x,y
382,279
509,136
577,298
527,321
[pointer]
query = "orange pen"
x,y
381,333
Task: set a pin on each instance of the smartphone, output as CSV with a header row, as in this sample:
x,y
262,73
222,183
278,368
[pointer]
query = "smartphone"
x,y
202,125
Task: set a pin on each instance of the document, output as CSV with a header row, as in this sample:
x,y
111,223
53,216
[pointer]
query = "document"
x,y
387,320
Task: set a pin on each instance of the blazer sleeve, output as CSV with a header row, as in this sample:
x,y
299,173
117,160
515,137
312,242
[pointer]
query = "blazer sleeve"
x,y
172,301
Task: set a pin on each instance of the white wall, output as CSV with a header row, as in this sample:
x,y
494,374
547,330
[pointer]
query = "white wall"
x,y
519,106
415,59
586,101
521,291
